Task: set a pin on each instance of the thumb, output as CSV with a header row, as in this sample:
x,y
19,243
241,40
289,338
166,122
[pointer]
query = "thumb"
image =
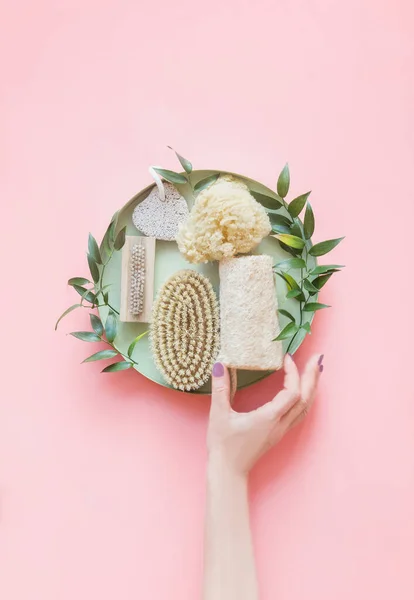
x,y
220,395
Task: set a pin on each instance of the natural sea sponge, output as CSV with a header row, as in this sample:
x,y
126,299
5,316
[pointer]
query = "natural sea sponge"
x,y
225,220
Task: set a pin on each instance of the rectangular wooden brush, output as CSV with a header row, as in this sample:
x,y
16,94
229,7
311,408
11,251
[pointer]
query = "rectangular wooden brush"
x,y
126,314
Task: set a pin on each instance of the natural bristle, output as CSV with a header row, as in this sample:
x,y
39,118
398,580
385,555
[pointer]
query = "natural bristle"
x,y
184,332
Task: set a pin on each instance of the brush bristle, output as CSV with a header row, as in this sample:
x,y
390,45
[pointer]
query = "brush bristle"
x,y
184,332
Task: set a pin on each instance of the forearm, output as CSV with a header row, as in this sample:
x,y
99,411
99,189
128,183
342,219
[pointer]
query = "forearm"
x,y
229,569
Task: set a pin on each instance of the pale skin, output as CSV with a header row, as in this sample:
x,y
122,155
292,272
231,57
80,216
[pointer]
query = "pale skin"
x,y
235,443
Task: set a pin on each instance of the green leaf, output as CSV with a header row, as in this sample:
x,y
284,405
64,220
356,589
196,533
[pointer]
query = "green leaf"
x,y
93,268
295,293
293,287
306,327
287,314
296,230
292,263
111,327
280,228
291,251
101,355
279,219
67,311
308,285
280,224
287,332
134,343
267,201
106,244
118,366
171,176
320,281
296,341
94,250
86,294
324,247
86,336
186,165
296,206
120,239
111,237
326,269
291,283
115,217
96,324
78,281
283,182
290,240
89,295
203,183
105,297
312,306
309,222
112,228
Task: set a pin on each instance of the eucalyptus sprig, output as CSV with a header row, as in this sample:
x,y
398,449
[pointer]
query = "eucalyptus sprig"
x,y
294,236
94,294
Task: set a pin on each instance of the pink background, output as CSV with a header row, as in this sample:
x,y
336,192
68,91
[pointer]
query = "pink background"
x,y
102,477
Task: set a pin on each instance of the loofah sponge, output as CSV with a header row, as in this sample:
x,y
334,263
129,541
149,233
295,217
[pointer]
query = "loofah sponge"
x,y
248,314
225,220
184,331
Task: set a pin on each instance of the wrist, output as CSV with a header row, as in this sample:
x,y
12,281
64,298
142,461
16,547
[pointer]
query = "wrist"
x,y
219,468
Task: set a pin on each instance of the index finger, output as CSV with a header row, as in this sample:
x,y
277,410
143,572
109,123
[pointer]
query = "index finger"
x,y
286,398
309,384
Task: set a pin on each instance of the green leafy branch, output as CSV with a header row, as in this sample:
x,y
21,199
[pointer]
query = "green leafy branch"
x,y
107,334
94,294
294,236
183,179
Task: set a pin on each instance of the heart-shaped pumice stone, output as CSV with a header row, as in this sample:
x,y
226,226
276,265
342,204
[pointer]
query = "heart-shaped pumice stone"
x,y
159,218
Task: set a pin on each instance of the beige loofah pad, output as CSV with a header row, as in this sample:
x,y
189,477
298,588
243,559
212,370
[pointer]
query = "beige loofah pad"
x,y
159,218
248,314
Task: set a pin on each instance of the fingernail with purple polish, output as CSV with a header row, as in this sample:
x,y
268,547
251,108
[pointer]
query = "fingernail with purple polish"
x,y
321,368
218,370
320,359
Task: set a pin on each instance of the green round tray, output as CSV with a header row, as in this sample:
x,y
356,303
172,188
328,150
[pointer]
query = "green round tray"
x,y
168,260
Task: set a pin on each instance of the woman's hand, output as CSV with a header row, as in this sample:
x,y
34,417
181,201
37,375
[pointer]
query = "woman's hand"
x,y
239,439
235,442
